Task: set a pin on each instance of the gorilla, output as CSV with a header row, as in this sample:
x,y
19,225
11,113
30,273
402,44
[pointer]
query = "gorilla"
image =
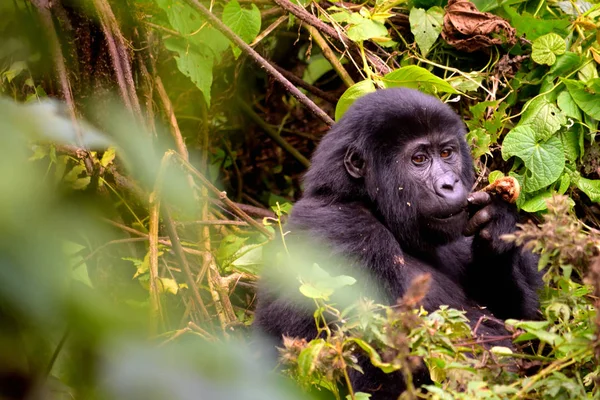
x,y
389,190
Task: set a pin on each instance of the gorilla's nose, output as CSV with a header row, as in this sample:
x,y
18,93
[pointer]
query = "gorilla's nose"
x,y
449,187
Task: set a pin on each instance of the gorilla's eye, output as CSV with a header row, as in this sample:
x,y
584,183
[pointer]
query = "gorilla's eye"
x,y
446,153
419,158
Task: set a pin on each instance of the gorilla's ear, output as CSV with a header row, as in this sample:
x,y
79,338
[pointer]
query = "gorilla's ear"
x,y
354,163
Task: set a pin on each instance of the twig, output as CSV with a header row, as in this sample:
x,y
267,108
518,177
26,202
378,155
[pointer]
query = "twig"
x,y
273,134
310,19
179,254
56,352
330,56
255,211
216,23
304,85
213,222
222,196
155,307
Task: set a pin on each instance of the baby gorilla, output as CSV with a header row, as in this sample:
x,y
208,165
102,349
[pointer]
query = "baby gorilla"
x,y
388,189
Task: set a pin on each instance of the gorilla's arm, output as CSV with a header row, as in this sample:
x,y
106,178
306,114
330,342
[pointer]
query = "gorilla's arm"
x,y
501,276
351,231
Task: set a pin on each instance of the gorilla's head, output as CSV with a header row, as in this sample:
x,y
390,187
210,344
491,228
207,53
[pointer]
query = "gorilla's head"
x,y
403,155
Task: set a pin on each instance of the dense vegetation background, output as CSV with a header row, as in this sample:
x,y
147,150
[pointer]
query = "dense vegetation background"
x,y
151,148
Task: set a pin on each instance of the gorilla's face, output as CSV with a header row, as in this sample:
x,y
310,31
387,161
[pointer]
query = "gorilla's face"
x,y
432,167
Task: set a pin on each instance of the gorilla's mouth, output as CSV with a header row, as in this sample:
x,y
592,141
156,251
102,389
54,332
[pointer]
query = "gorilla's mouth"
x,y
449,216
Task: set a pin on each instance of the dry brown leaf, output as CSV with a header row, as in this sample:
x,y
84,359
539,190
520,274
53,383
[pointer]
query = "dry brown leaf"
x,y
470,30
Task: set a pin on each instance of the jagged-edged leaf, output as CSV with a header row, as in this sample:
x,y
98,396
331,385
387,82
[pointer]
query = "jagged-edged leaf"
x,y
243,22
426,26
198,48
417,77
544,159
364,29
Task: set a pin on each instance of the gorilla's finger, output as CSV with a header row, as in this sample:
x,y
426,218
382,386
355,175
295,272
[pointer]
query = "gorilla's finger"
x,y
479,199
480,218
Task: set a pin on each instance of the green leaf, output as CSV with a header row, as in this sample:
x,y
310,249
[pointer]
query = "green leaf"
x,y
544,159
309,356
365,29
416,77
426,26
317,67
243,22
351,95
589,187
533,27
168,285
494,176
588,101
536,203
319,284
199,47
543,116
501,350
565,64
570,141
359,396
547,47
565,183
108,157
568,106
194,64
374,356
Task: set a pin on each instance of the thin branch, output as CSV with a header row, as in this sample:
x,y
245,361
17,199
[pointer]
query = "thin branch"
x,y
304,85
330,56
273,134
310,19
182,260
224,29
222,196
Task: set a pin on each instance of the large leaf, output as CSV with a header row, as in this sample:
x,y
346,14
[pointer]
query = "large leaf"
x,y
196,64
547,47
416,77
199,46
351,94
544,117
568,106
243,22
536,203
587,100
426,26
544,159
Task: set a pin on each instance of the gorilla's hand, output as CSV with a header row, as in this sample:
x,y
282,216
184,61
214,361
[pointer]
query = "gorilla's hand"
x,y
493,219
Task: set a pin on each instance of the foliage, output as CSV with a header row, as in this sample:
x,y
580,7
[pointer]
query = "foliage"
x,y
129,263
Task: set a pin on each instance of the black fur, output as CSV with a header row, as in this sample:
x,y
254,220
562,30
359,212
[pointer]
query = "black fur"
x,y
370,199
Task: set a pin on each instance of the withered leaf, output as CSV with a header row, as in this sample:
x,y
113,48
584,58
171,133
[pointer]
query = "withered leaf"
x,y
468,29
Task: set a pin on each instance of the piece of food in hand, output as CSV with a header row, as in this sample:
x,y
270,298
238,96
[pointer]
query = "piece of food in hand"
x,y
507,188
